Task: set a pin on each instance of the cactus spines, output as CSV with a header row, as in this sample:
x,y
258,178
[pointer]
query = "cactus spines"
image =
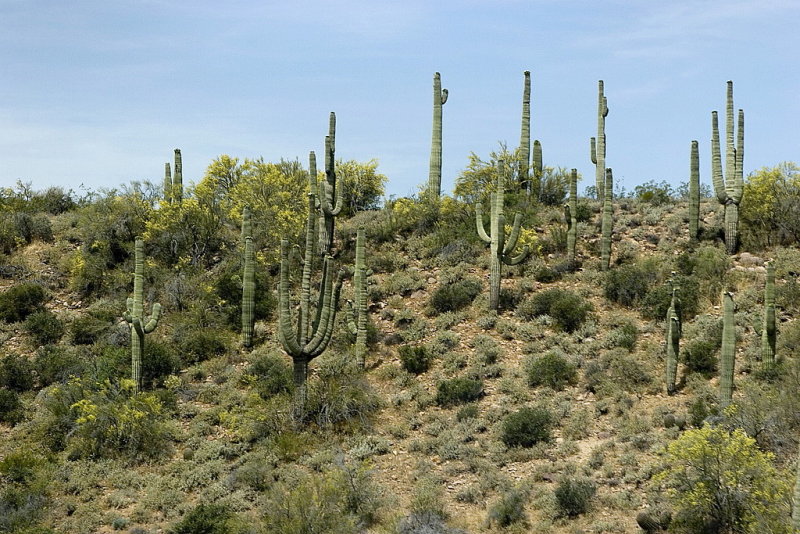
x,y
728,352
435,172
500,247
357,316
607,226
167,183
768,331
177,180
673,340
694,192
730,186
571,215
525,136
135,316
330,193
597,146
248,292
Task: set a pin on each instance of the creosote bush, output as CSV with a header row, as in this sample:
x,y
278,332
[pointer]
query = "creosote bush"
x,y
455,296
551,370
415,359
567,309
458,391
44,327
18,302
574,495
527,427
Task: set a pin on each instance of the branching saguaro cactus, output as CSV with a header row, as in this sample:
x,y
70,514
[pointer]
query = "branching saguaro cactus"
x,y
357,312
673,339
694,193
607,227
571,215
500,248
728,352
525,136
330,193
730,186
310,337
139,324
435,172
177,180
248,290
768,329
167,183
597,146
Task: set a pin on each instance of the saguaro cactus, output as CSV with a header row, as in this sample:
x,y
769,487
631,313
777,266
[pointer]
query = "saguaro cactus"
x,y
357,316
311,336
694,193
167,183
597,146
730,186
728,352
330,193
607,227
768,330
248,290
500,248
570,215
177,180
525,136
673,339
435,172
247,225
135,316
538,170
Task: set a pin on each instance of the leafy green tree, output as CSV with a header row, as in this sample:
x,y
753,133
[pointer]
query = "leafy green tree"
x,y
770,213
476,181
719,481
363,185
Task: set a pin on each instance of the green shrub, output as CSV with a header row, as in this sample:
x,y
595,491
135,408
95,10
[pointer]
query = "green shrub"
x,y
18,302
508,509
158,361
656,303
16,373
415,359
86,329
455,296
55,363
567,309
573,496
552,370
273,374
44,327
204,519
200,344
526,427
655,193
624,336
700,356
458,391
628,284
10,407
340,394
470,411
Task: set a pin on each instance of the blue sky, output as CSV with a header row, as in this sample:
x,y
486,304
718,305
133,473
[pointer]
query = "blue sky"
x,y
100,92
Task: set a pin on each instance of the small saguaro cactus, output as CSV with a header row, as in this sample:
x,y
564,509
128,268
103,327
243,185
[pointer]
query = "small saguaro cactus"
x,y
728,352
597,146
248,282
435,172
673,339
330,193
538,170
500,248
607,227
768,329
571,215
694,193
167,183
357,316
525,136
139,324
730,186
177,180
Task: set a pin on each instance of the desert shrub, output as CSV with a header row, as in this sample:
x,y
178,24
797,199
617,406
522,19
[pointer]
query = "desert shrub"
x,y
552,186
415,359
197,345
508,509
273,374
656,303
44,326
204,519
455,296
573,496
87,329
425,523
18,302
470,411
526,427
625,336
340,394
23,492
628,284
655,193
227,286
700,356
16,373
56,363
458,391
159,360
10,407
551,370
567,309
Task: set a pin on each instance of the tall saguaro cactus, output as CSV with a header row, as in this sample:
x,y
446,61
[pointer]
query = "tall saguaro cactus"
x,y
177,180
571,215
673,339
357,319
248,292
728,352
500,248
139,324
310,337
607,226
330,193
167,183
730,186
694,192
247,225
597,146
768,329
525,136
435,172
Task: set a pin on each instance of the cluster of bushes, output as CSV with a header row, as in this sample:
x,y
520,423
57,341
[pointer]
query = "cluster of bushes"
x,y
20,301
567,309
455,296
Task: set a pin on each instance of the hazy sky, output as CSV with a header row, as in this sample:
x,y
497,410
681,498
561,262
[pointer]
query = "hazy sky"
x,y
100,92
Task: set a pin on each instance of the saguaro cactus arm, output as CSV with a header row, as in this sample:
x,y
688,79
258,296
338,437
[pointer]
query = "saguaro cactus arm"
x,y
479,220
